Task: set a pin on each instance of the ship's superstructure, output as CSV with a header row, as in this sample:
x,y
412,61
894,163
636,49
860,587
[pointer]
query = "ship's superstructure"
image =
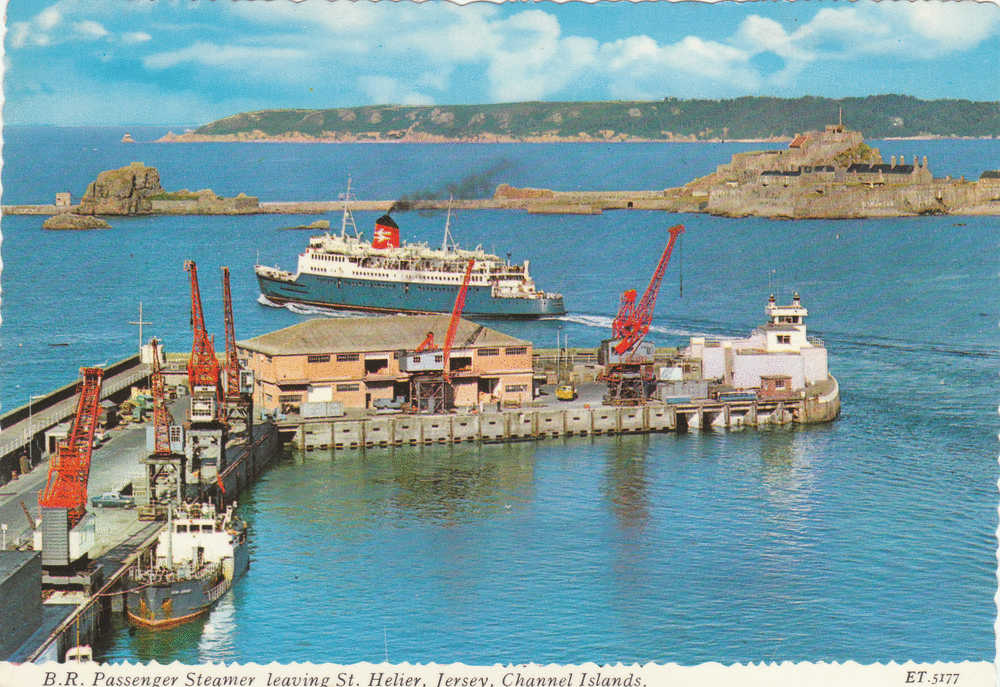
x,y
349,272
197,556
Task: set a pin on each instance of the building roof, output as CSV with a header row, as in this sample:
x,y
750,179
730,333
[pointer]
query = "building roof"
x,y
11,562
360,334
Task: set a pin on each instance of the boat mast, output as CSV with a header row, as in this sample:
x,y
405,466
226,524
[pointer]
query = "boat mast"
x,y
170,536
348,218
447,229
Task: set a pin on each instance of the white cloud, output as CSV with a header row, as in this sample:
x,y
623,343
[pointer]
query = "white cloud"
x,y
133,37
953,26
386,90
52,26
759,34
528,58
212,55
48,18
90,30
19,33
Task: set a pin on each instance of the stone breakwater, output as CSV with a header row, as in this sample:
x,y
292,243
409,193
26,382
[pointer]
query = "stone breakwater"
x,y
830,174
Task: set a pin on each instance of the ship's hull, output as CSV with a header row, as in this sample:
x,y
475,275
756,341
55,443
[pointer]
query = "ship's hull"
x,y
161,606
406,297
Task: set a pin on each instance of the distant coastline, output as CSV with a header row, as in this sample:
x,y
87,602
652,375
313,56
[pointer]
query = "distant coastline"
x,y
260,137
670,120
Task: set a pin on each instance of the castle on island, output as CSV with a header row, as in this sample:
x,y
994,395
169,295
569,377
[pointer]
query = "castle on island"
x,y
833,173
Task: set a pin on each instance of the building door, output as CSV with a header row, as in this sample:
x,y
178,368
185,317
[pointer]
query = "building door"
x,y
368,400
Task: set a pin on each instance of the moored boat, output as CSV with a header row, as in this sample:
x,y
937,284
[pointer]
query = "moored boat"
x,y
197,557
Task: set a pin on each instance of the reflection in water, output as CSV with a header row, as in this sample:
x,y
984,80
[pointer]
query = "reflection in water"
x,y
217,636
626,486
350,490
451,484
164,646
786,472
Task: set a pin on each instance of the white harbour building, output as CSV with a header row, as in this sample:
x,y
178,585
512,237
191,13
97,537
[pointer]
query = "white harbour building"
x,y
778,358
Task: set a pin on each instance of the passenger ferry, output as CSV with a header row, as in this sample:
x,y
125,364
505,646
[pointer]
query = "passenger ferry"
x,y
386,275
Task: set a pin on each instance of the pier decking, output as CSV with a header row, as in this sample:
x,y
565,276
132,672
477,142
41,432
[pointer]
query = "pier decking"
x,y
27,424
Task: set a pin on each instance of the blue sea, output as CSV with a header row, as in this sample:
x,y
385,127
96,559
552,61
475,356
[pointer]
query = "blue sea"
x,y
869,539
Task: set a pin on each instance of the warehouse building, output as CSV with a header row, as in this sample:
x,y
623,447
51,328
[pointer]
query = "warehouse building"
x,y
356,361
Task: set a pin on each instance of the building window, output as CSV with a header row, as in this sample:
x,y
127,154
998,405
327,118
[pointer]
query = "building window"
x,y
517,350
484,352
318,358
348,387
348,357
784,338
515,388
289,398
779,384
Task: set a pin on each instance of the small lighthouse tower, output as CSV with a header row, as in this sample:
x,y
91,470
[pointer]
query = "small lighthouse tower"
x,y
786,326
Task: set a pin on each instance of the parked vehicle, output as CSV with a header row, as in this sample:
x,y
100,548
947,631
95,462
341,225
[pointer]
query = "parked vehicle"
x,y
112,499
566,392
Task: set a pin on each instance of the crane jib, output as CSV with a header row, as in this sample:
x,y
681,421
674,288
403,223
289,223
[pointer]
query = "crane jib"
x,y
634,319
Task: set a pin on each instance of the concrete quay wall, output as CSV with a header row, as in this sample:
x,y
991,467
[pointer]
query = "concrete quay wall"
x,y
251,460
544,423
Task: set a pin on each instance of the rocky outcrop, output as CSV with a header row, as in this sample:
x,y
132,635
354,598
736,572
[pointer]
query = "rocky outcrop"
x,y
124,191
70,220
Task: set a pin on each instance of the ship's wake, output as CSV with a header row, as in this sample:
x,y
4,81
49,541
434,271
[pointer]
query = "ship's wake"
x,y
301,309
603,322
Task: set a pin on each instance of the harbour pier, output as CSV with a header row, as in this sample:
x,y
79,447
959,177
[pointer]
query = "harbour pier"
x,y
45,621
554,419
23,428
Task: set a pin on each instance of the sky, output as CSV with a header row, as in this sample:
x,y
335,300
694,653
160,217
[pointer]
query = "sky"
x,y
188,62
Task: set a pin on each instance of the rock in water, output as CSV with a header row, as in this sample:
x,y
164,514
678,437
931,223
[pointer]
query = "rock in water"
x,y
70,220
124,191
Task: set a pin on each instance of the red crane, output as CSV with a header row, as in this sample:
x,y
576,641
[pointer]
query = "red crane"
x,y
427,344
66,485
203,366
456,315
232,359
161,416
632,322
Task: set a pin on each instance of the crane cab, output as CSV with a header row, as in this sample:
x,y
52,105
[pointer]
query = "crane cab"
x,y
642,353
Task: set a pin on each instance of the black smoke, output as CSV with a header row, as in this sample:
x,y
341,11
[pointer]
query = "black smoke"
x,y
478,185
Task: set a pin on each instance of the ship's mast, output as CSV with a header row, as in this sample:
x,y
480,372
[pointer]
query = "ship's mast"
x,y
447,230
348,218
170,536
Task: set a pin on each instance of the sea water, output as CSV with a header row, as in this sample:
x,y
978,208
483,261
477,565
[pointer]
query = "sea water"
x,y
870,538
